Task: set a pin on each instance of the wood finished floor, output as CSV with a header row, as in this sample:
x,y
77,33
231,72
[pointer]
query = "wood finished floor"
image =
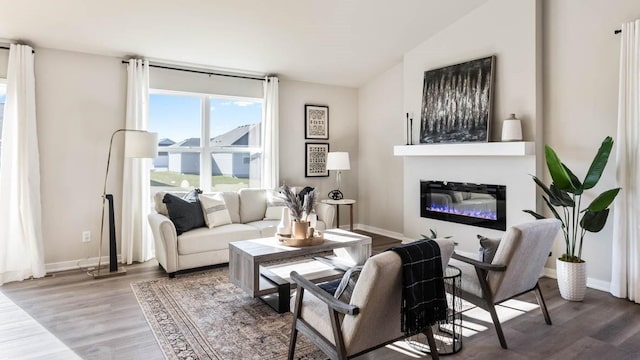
x,y
101,319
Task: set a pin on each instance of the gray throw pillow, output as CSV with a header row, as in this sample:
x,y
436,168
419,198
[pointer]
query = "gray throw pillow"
x,y
347,284
488,248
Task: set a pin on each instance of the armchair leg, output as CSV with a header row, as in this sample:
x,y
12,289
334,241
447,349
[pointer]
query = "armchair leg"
x,y
543,305
294,330
496,324
433,349
292,343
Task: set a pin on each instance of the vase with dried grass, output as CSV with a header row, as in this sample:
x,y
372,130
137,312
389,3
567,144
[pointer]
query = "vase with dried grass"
x,y
300,209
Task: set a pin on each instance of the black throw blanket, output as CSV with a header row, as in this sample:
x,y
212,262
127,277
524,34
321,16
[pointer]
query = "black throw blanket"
x,y
424,301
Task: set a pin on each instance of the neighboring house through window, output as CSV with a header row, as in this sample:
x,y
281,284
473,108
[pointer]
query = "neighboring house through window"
x,y
231,155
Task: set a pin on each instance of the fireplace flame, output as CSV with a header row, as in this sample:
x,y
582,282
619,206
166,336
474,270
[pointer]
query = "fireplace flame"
x,y
479,214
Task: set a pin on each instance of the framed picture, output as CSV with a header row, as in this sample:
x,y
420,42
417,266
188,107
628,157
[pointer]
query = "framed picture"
x,y
316,122
457,102
315,160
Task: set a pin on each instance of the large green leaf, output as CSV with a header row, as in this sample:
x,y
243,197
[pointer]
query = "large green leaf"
x,y
577,185
542,186
603,200
593,221
534,214
560,197
598,164
557,170
553,210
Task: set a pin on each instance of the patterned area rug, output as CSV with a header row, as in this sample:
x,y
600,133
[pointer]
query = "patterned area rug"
x,y
204,316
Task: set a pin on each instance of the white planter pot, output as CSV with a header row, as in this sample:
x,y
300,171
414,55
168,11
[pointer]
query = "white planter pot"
x,y
572,279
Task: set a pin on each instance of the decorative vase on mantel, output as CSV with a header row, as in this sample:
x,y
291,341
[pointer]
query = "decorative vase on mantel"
x,y
572,279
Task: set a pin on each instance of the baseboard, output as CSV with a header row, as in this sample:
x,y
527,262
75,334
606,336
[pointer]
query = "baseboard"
x,y
76,264
383,232
591,282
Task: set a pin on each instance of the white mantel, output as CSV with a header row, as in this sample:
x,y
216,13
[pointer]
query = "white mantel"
x,y
516,148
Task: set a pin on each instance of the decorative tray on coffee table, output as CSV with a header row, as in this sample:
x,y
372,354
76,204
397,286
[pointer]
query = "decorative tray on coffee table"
x,y
316,239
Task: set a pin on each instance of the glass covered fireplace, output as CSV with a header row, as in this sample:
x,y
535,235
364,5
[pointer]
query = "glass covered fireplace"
x,y
481,205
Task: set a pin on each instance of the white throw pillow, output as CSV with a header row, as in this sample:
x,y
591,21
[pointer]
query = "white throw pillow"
x,y
274,206
215,210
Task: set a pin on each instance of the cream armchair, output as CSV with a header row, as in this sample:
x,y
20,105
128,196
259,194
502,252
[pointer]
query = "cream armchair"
x,y
369,321
515,269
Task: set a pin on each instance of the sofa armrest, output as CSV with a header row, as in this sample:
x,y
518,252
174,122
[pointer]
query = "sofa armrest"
x,y
165,240
326,213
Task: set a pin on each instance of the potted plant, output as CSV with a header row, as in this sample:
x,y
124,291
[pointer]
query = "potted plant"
x,y
564,198
300,210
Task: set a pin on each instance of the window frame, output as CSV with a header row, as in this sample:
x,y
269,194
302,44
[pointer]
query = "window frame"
x,y
205,149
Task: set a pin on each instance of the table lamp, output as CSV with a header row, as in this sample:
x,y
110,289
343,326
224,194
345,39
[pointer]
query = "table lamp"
x,y
138,144
337,160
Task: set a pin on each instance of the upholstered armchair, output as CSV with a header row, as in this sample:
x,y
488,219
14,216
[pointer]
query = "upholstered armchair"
x,y
515,269
370,320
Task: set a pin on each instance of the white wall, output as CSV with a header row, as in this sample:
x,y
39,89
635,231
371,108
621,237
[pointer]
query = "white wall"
x,y
580,95
343,136
380,127
506,29
80,101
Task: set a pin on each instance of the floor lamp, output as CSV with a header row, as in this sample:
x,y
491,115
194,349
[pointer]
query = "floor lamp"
x,y
339,161
138,144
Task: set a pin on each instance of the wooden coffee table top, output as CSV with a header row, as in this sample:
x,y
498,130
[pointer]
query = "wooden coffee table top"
x,y
268,249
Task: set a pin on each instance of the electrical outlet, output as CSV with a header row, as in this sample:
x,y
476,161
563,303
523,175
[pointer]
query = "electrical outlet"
x,y
86,236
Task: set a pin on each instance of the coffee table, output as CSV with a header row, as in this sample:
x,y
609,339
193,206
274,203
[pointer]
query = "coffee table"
x,y
249,266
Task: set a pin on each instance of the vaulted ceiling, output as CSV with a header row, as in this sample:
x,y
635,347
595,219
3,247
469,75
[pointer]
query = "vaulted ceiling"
x,y
339,42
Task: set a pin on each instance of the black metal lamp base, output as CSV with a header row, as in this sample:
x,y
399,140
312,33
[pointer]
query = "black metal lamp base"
x,y
335,195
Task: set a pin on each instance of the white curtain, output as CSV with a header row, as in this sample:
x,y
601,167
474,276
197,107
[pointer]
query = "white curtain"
x,y
137,244
270,153
625,269
21,247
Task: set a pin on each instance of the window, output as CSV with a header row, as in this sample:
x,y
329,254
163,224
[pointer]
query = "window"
x,y
3,96
231,157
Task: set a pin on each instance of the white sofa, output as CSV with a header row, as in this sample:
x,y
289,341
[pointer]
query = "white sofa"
x,y
204,246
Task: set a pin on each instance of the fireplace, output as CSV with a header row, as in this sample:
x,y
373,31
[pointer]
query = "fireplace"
x,y
480,205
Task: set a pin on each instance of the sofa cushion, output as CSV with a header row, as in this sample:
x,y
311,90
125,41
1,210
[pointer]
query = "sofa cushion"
x,y
266,227
185,213
214,210
159,205
218,238
275,204
253,204
232,200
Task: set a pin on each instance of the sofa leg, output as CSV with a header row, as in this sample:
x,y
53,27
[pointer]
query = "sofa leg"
x,y
172,275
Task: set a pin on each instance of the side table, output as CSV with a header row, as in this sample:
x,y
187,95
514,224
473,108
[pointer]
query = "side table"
x,y
448,336
337,203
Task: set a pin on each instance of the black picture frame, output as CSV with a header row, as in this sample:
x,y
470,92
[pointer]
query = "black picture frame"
x,y
457,102
315,159
316,122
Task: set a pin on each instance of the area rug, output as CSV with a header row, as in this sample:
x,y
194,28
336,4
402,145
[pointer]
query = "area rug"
x,y
203,316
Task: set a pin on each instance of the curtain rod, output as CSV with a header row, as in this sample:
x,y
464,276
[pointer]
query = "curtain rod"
x,y
8,48
202,72
616,32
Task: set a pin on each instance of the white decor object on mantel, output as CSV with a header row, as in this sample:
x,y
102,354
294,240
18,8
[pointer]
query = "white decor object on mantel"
x,y
512,129
515,148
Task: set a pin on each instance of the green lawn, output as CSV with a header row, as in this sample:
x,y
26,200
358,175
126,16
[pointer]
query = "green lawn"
x,y
170,178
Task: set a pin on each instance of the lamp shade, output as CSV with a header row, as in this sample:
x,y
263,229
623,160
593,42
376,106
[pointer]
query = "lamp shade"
x,y
141,144
338,160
